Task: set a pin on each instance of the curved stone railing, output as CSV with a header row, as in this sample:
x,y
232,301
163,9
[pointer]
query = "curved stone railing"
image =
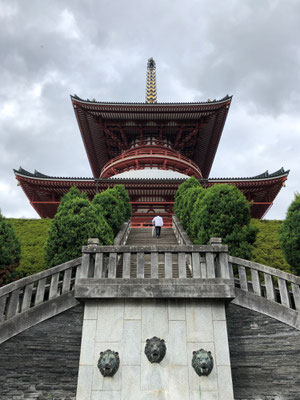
x,y
33,299
267,290
258,287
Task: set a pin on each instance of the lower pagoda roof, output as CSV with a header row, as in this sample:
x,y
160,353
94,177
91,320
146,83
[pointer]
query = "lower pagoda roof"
x,y
44,192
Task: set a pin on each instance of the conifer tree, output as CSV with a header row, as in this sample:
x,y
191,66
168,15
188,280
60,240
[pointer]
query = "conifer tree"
x,y
180,194
289,235
10,248
224,212
110,207
76,220
122,194
10,252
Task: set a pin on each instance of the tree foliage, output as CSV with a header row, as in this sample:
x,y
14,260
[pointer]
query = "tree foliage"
x,y
10,249
76,220
180,198
10,252
189,198
266,248
111,207
219,211
224,212
122,194
289,235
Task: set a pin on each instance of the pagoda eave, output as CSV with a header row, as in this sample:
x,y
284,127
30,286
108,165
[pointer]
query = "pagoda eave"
x,y
44,192
193,129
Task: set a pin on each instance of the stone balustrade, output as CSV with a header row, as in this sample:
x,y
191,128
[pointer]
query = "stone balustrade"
x,y
273,284
35,298
155,271
158,271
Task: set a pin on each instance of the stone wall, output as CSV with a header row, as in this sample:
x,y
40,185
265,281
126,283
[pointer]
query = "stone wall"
x,y
265,356
42,362
124,326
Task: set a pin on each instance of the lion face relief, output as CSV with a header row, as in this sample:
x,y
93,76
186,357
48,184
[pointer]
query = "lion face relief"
x,y
155,349
202,362
109,362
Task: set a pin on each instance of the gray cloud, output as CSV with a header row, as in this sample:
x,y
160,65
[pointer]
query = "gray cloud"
x,y
95,49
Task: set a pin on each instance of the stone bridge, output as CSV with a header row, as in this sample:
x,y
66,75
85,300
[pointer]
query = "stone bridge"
x,y
166,270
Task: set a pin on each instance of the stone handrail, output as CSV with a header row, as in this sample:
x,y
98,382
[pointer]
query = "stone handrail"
x,y
181,236
154,271
256,283
41,295
123,234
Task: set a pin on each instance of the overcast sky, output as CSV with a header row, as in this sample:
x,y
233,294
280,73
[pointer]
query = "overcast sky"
x,y
99,49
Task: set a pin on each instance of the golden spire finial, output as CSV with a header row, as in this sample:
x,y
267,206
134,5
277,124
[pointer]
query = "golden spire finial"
x,y
151,94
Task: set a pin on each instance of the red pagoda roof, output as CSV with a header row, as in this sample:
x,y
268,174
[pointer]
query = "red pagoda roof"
x,y
44,192
192,129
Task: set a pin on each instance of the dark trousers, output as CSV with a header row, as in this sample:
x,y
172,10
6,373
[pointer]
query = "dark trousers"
x,y
157,231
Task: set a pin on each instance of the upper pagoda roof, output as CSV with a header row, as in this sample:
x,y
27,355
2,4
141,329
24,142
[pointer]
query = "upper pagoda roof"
x,y
193,129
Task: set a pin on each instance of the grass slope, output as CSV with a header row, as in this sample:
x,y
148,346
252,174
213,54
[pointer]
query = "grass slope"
x,y
32,234
267,250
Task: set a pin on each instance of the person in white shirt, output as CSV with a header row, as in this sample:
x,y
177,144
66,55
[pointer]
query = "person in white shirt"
x,y
158,223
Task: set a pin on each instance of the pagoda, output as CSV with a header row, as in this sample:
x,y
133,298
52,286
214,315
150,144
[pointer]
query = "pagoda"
x,y
150,136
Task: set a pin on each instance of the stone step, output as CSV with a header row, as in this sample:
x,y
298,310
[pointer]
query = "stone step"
x,y
143,236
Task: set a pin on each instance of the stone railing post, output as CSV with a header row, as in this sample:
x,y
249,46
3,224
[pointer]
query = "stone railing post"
x,y
220,259
88,258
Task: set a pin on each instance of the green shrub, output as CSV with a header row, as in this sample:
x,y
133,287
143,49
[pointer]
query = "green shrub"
x,y
10,249
180,195
10,252
110,207
223,211
188,200
289,235
76,220
122,194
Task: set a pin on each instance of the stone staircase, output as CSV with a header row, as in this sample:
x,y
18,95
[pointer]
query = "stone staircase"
x,y
143,237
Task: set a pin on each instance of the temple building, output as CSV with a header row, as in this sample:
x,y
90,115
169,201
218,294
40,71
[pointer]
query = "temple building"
x,y
178,138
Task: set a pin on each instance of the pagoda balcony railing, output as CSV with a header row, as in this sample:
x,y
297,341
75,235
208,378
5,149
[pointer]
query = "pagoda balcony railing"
x,y
145,150
150,157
